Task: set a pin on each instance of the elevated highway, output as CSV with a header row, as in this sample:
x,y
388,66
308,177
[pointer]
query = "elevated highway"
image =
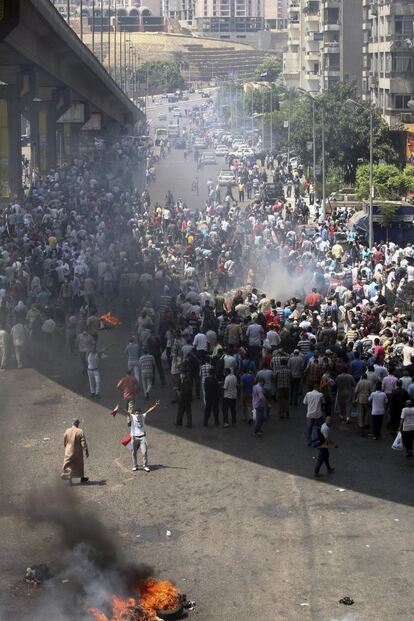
x,y
51,78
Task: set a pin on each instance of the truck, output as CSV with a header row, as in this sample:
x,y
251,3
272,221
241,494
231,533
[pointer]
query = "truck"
x,y
173,130
161,133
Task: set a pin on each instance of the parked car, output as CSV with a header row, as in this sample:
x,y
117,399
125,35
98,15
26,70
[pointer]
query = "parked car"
x,y
221,150
180,143
208,158
226,177
162,116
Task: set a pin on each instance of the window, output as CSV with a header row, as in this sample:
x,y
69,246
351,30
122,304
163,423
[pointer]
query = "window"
x,y
402,64
404,25
401,101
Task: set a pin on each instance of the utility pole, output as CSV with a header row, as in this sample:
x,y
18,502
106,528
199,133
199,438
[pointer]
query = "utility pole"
x,y
68,12
102,31
289,115
81,19
109,36
252,119
314,144
93,26
371,180
271,120
323,163
115,31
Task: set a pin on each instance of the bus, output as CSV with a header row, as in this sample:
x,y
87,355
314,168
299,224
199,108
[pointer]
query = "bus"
x,y
161,133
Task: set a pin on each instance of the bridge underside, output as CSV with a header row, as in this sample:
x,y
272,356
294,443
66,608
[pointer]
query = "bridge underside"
x,y
49,77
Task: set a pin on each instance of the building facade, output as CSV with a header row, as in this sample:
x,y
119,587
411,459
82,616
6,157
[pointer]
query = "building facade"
x,y
276,14
182,10
324,44
219,16
388,58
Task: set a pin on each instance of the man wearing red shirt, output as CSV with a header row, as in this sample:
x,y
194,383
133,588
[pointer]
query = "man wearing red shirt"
x,y
313,300
129,386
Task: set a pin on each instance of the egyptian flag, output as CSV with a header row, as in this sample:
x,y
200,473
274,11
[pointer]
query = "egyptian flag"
x,y
115,411
125,441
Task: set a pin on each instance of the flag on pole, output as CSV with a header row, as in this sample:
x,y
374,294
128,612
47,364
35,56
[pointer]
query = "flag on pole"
x,y
125,441
115,410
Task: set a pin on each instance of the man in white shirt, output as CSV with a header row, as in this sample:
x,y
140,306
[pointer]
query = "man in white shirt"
x,y
94,375
254,334
314,401
18,336
200,345
136,420
230,398
323,449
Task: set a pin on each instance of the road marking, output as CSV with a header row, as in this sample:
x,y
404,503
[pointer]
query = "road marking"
x,y
121,466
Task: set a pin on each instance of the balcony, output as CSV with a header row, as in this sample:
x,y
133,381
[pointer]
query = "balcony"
x,y
312,55
331,27
332,72
330,47
401,42
312,18
312,75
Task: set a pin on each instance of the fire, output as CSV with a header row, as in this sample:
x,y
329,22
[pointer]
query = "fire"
x,y
111,319
153,596
158,595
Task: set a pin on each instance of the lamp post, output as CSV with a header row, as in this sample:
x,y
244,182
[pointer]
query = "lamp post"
x,y
352,102
93,26
102,31
81,19
315,103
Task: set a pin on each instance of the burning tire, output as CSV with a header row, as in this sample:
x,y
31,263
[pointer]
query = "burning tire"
x,y
174,613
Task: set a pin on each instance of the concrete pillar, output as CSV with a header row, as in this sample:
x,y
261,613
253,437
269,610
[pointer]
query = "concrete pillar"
x,y
10,146
43,135
75,130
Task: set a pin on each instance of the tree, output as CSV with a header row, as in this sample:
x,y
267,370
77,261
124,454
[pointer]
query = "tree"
x,y
269,69
261,100
160,76
346,130
389,182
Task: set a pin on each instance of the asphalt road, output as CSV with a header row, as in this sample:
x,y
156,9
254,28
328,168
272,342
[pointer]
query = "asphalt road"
x,y
252,534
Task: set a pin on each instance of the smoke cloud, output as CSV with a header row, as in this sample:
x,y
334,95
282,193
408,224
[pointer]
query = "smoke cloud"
x,y
280,284
93,567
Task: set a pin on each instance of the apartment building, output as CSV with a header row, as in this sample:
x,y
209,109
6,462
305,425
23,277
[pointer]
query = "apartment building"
x,y
182,10
388,58
276,14
229,15
324,44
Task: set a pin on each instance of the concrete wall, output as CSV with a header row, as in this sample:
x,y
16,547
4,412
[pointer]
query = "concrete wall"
x,y
263,40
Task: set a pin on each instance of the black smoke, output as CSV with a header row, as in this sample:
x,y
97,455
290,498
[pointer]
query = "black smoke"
x,y
93,566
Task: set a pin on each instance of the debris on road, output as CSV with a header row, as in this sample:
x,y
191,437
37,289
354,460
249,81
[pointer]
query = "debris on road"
x,y
37,574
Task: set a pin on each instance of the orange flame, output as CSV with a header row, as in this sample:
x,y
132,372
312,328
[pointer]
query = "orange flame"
x,y
153,596
111,319
158,595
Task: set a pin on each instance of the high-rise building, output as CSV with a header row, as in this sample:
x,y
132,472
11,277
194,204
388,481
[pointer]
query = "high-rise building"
x,y
388,58
218,16
276,14
182,10
324,44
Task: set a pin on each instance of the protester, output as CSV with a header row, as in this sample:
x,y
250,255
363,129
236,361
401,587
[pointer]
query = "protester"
x,y
75,445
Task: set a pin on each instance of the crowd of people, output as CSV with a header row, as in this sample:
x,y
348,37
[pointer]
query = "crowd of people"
x,y
251,305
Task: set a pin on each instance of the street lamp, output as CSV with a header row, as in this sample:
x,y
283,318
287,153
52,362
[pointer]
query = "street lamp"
x,y
320,104
352,102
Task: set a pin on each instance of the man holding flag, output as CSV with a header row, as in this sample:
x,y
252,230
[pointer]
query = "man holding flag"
x,y
137,438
